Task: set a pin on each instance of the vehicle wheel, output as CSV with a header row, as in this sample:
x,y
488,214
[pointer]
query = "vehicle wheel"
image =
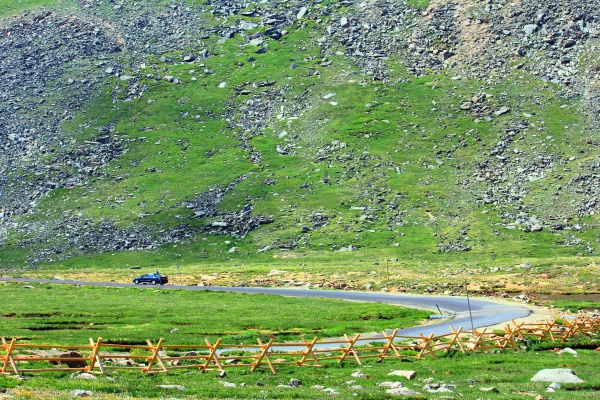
x,y
136,281
154,282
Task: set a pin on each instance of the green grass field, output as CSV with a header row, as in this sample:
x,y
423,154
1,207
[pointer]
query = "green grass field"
x,y
63,314
71,315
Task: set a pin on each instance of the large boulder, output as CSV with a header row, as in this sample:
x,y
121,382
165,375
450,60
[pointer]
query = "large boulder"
x,y
67,359
560,375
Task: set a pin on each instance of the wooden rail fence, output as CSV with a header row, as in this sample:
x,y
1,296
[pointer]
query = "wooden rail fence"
x,y
19,358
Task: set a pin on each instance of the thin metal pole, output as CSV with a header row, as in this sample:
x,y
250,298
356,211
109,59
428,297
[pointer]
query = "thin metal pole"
x,y
438,307
469,303
387,267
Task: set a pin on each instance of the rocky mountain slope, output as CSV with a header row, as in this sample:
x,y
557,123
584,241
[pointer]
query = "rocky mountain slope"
x,y
448,130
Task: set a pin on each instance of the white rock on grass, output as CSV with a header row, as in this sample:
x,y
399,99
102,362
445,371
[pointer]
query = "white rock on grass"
x,y
83,375
568,350
559,375
489,389
440,390
391,384
276,272
405,374
358,374
176,387
554,385
81,393
401,392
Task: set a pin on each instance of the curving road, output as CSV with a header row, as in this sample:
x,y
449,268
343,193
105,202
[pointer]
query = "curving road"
x,y
484,313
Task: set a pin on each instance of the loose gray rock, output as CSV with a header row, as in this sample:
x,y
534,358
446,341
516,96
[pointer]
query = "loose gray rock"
x,y
301,13
295,382
83,375
405,374
530,29
568,350
401,392
176,387
501,111
559,375
81,393
392,385
554,385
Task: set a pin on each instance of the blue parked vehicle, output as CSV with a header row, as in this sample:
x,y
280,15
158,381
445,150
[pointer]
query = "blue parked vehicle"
x,y
154,279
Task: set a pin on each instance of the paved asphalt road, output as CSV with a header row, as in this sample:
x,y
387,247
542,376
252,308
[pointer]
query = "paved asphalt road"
x,y
484,313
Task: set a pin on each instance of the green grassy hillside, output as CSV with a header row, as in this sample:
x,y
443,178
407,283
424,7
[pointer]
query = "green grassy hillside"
x,y
439,168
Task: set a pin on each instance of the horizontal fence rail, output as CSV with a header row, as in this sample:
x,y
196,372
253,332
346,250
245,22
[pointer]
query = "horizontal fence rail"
x,y
100,356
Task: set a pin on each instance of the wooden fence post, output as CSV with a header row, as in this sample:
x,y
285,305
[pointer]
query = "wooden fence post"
x,y
479,340
548,330
455,339
350,349
263,354
389,345
155,357
309,350
509,338
95,357
426,346
9,357
212,355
